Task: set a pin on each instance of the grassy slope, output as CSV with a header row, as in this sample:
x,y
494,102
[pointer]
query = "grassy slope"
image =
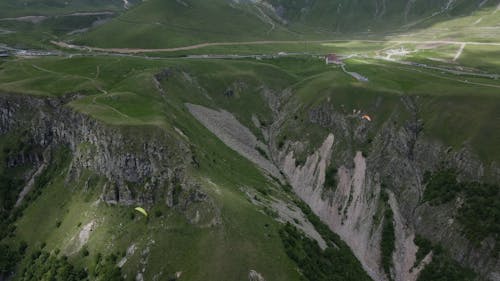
x,y
200,253
480,26
58,21
161,24
13,8
369,18
28,35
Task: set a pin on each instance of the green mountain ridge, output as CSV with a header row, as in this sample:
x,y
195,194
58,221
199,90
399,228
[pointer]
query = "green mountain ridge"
x,y
160,24
253,158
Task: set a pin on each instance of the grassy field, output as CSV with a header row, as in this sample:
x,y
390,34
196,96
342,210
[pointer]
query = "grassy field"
x,y
481,57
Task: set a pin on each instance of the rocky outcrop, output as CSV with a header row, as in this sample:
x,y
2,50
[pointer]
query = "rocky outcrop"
x,y
350,211
235,135
142,165
398,157
255,276
287,213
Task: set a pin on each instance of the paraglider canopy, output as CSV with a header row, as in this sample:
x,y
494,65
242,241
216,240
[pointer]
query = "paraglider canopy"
x,y
366,117
142,211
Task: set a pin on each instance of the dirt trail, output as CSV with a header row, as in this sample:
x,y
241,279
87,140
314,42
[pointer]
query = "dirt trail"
x,y
266,19
94,101
214,44
44,70
85,14
32,19
459,53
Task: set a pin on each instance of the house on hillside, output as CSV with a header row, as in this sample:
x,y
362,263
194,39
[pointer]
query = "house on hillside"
x,y
332,59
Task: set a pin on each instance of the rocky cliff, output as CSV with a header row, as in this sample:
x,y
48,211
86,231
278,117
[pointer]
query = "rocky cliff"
x,y
142,165
392,164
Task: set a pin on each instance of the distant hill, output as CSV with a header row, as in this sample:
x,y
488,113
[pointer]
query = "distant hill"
x,y
14,8
160,24
378,15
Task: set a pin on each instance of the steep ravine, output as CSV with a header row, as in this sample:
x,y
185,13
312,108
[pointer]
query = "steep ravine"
x,y
391,166
350,211
395,164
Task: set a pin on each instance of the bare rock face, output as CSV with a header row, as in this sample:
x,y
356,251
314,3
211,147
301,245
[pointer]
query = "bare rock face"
x,y
255,276
398,158
350,211
142,166
235,135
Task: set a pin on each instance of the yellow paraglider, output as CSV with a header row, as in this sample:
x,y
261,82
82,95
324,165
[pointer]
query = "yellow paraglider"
x,y
142,211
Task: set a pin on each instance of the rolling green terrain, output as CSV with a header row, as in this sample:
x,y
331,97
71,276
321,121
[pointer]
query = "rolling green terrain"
x,y
160,24
93,129
11,8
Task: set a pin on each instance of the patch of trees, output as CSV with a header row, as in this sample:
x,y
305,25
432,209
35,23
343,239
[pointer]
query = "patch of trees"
x,y
479,213
42,265
9,257
442,267
105,269
9,187
331,178
317,264
59,161
10,184
336,262
262,152
441,187
388,243
424,247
